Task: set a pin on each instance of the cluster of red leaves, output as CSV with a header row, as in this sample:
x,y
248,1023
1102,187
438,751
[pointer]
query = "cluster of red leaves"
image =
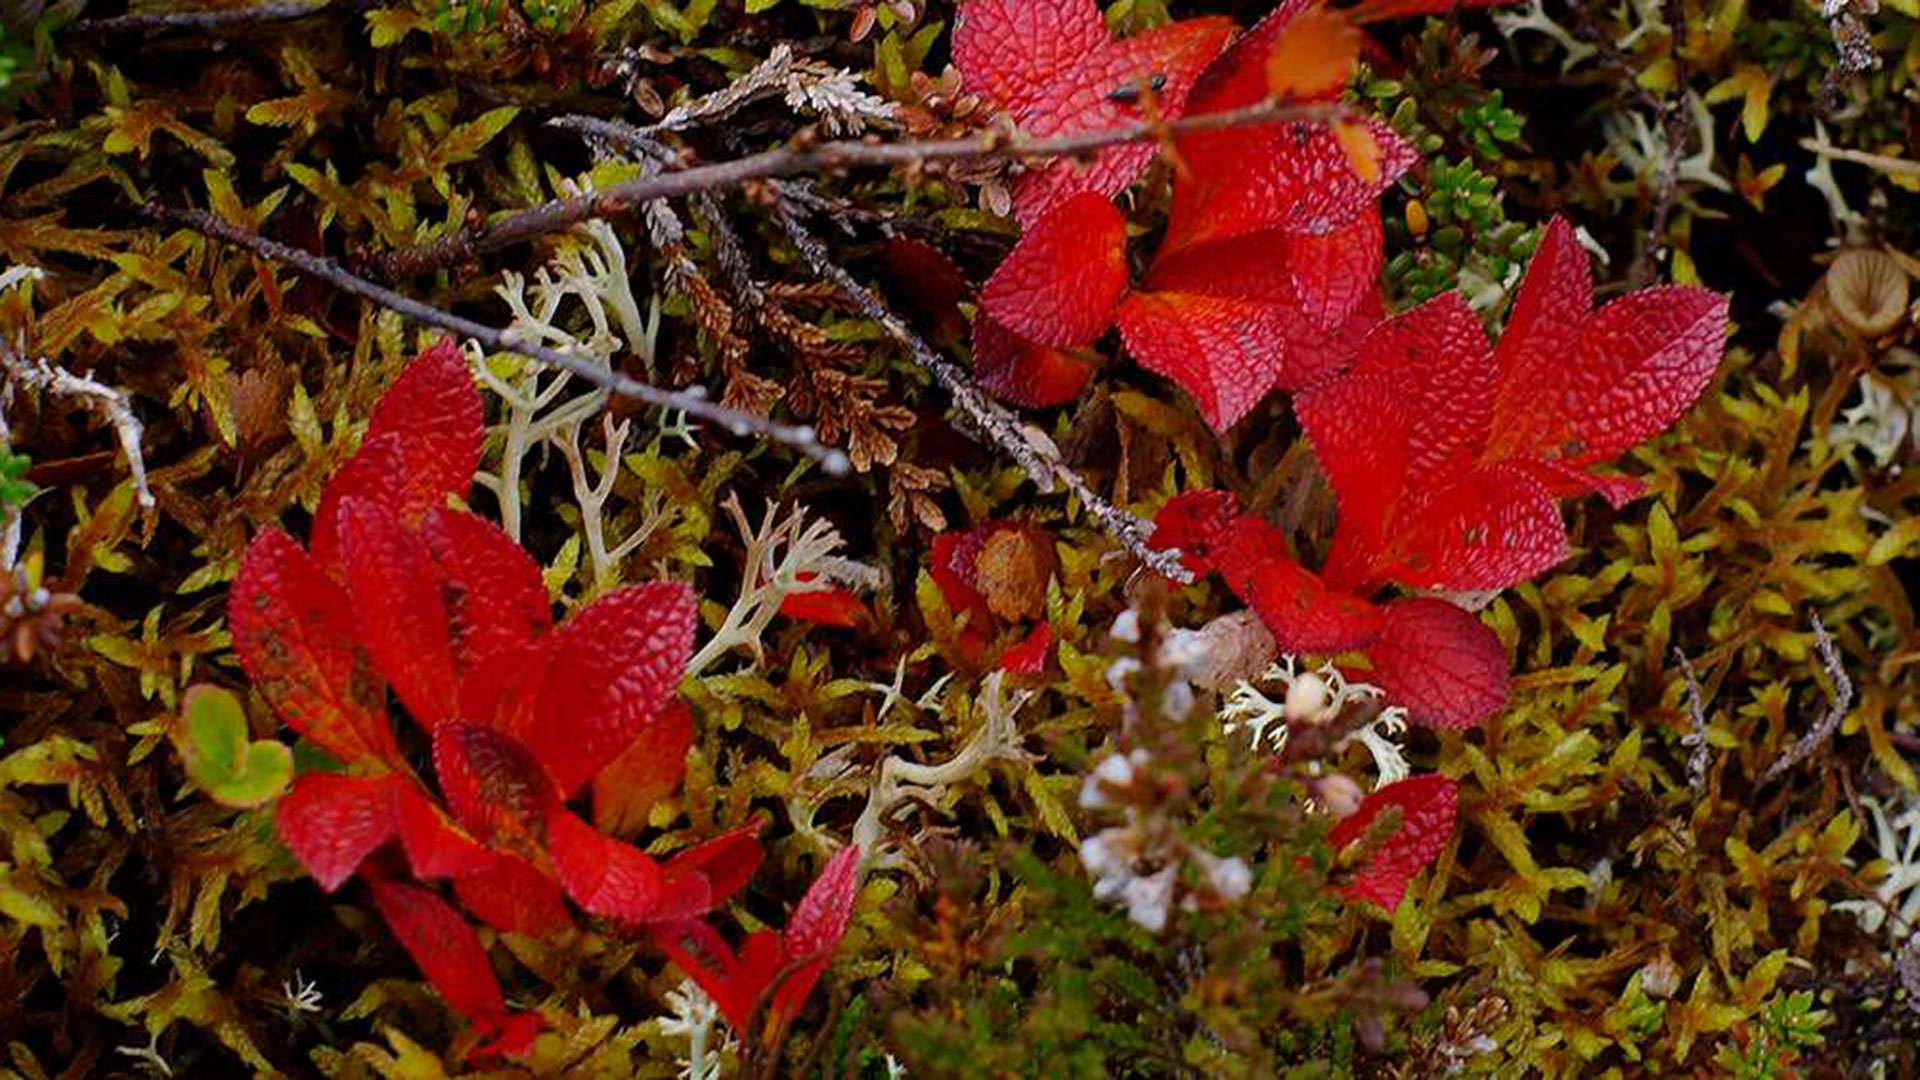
x,y
1447,458
402,591
993,577
1267,274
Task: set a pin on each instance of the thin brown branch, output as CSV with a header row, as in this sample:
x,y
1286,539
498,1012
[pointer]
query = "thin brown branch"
x,y
1695,741
694,404
800,158
161,22
1034,456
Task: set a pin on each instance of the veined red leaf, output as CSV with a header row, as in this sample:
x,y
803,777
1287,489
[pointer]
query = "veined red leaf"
x,y
1335,274
615,665
435,410
332,822
1550,308
1496,526
1639,364
512,894
434,847
603,875
1302,613
815,930
294,633
395,588
1050,66
1295,178
444,948
373,474
733,982
494,599
496,789
1227,353
707,874
1427,806
1019,372
1441,663
1059,284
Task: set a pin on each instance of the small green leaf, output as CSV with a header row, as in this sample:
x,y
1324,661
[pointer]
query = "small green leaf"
x,y
220,759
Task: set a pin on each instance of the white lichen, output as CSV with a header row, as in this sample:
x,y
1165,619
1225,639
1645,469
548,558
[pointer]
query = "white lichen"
x,y
1316,697
694,1016
1895,904
786,556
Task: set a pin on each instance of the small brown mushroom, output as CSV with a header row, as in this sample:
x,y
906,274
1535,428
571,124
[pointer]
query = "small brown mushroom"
x,y
1867,292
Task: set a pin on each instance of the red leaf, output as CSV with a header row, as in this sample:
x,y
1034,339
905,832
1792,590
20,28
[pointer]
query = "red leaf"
x,y
1441,663
444,948
434,847
1288,177
1195,522
1303,615
1497,526
512,894
1022,373
1029,655
1639,364
826,605
1059,284
435,410
294,632
1050,66
1337,274
643,774
955,557
1427,806
707,874
1226,349
395,587
493,784
1411,414
601,874
494,598
372,474
815,930
1550,309
615,664
332,822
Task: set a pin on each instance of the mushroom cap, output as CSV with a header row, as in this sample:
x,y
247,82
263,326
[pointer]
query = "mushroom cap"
x,y
1867,291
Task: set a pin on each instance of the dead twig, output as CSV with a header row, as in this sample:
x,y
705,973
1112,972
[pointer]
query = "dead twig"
x,y
162,22
1837,707
800,158
1035,456
693,403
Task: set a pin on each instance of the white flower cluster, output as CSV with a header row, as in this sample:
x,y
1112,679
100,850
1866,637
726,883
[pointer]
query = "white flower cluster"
x,y
1138,863
1317,697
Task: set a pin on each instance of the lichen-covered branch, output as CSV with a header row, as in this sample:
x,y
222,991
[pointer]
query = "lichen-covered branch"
x,y
694,404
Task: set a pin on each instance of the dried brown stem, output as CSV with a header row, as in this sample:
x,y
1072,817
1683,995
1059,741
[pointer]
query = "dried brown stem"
x,y
161,22
1037,458
794,159
695,405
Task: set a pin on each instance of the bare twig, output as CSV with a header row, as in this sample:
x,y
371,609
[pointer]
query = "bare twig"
x,y
161,22
1837,707
793,159
1038,459
694,404
1696,740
